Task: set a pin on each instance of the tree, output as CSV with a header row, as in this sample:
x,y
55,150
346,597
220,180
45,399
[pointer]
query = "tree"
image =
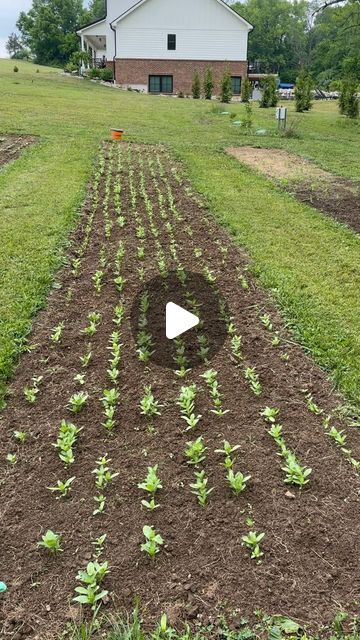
x,y
279,41
208,84
246,91
196,87
269,96
226,88
13,45
303,89
96,10
348,99
49,29
335,51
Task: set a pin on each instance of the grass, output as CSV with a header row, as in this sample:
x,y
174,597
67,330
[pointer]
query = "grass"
x,y
125,627
311,264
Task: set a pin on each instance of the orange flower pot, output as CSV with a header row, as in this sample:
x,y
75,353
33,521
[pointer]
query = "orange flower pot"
x,y
117,134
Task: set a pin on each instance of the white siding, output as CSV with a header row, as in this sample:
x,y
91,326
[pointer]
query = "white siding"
x,y
204,31
116,7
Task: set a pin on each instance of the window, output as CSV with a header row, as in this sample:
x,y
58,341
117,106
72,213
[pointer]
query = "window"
x,y
160,84
171,41
236,85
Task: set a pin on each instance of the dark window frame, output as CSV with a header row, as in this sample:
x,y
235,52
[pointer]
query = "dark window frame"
x,y
161,76
236,93
171,42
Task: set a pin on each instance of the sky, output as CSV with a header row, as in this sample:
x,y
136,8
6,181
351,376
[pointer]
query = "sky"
x,y
9,11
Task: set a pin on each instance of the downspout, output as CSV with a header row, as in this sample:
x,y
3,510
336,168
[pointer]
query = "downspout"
x,y
115,47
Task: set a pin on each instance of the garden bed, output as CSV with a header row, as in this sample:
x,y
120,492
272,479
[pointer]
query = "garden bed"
x,y
142,218
11,146
335,196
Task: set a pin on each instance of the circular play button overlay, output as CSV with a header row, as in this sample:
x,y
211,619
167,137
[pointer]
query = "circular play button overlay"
x,y
178,322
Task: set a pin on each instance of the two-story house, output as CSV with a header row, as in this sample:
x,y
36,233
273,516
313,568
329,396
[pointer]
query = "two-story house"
x,y
156,45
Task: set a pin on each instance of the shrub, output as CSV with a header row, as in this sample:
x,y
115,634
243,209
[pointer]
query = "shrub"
x,y
208,84
94,73
246,91
303,88
106,75
248,119
195,89
226,88
269,96
16,69
348,99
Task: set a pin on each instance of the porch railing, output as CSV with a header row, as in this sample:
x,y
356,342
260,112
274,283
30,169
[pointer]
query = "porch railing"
x,y
98,63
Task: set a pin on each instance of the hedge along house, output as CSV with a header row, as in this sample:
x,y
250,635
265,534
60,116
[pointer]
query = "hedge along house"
x,y
157,45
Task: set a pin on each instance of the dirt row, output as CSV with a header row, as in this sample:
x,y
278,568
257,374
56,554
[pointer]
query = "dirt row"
x,y
11,146
311,542
334,196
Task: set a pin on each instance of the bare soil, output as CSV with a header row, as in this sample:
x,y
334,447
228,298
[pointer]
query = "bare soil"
x,y
11,146
311,547
334,196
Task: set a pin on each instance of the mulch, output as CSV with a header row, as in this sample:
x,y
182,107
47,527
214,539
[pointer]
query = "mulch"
x,y
311,546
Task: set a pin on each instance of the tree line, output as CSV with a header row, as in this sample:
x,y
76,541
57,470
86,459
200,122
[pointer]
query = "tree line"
x,y
322,37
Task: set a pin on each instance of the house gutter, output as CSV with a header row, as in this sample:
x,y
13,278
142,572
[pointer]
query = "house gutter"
x,y
115,51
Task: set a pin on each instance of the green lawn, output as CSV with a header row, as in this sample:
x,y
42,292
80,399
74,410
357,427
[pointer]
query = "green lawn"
x,y
311,263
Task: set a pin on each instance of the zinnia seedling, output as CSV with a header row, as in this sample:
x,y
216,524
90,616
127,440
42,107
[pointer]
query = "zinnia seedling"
x,y
228,451
31,393
195,451
295,473
338,436
210,378
50,541
100,500
253,378
110,397
20,436
97,279
312,406
57,332
90,593
78,401
85,359
200,488
103,475
236,346
152,482
266,321
99,545
153,541
11,458
186,402
148,405
67,437
252,541
237,481
270,414
63,488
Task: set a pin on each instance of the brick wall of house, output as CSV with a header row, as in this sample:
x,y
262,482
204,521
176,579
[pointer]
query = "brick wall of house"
x,y
136,72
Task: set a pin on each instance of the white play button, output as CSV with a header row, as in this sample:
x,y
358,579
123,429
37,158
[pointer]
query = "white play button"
x,y
178,320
